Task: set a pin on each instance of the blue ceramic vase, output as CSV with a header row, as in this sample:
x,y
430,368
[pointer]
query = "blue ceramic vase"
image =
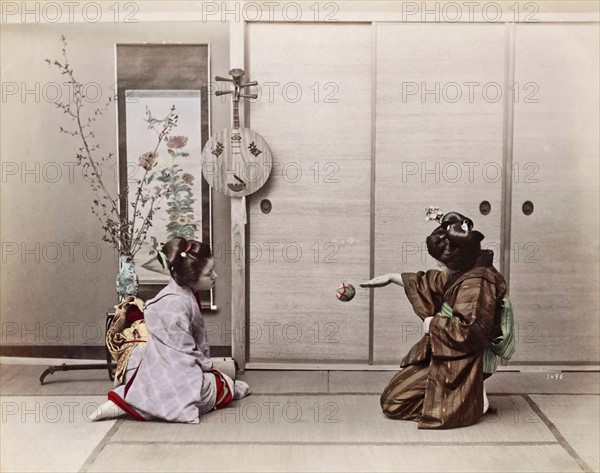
x,y
127,279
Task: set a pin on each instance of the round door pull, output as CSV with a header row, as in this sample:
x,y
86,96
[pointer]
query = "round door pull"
x,y
527,207
485,207
265,206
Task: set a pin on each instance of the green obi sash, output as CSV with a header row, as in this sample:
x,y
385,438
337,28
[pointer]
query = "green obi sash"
x,y
446,310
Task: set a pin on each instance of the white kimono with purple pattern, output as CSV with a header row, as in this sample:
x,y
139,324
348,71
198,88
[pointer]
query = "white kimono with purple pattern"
x,y
171,382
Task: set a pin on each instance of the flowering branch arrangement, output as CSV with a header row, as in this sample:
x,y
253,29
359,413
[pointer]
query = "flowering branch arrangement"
x,y
125,234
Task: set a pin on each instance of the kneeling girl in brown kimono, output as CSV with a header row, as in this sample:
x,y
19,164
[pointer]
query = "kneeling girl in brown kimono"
x,y
173,378
441,385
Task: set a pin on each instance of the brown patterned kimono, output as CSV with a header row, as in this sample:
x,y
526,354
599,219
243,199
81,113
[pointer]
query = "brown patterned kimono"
x,y
441,385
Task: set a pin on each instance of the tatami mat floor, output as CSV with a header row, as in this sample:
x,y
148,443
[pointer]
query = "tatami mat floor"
x,y
300,421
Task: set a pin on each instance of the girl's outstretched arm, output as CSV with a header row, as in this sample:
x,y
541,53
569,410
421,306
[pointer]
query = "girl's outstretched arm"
x,y
425,291
384,280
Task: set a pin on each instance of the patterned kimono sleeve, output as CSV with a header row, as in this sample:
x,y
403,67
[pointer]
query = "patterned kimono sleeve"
x,y
423,289
469,329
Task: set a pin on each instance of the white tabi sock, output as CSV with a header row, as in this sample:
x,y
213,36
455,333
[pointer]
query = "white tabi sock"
x,y
240,389
108,410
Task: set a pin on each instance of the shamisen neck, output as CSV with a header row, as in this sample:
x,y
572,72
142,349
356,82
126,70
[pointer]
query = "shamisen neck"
x,y
236,114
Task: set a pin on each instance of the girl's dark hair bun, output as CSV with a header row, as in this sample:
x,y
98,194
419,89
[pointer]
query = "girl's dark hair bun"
x,y
454,242
186,259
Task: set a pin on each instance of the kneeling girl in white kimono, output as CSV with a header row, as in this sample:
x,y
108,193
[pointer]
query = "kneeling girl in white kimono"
x,y
173,378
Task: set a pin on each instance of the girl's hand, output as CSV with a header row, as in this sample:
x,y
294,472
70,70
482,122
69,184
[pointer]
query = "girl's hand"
x,y
378,281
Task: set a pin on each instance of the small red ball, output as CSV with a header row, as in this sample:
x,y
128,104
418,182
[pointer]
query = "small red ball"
x,y
345,292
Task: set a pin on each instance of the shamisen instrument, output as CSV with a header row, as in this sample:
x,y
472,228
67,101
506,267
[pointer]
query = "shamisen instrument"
x,y
236,161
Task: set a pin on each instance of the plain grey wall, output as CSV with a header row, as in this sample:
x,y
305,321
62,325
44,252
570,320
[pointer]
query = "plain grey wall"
x,y
56,286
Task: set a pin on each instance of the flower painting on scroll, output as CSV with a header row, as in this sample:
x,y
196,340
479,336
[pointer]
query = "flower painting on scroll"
x,y
172,170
